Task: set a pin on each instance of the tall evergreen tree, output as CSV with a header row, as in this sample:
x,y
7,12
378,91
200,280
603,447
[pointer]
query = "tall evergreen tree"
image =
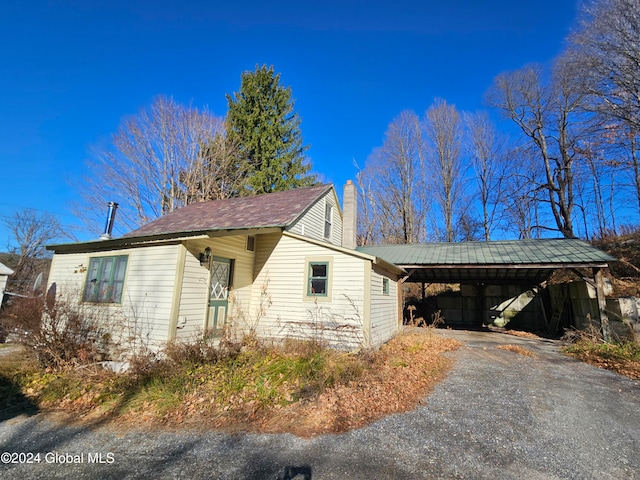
x,y
262,120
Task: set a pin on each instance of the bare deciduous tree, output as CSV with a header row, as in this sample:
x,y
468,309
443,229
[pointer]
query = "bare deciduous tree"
x,y
551,116
392,193
148,159
468,229
443,127
621,142
31,232
368,231
217,172
520,196
606,49
488,165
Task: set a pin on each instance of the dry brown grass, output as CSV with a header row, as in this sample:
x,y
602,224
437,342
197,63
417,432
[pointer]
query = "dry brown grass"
x,y
588,346
521,334
517,349
347,391
402,374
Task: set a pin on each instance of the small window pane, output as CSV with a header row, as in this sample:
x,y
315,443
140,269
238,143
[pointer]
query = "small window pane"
x,y
105,279
91,289
319,287
385,286
118,279
319,270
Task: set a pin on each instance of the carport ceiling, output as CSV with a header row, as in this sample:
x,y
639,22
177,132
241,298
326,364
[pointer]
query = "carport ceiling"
x,y
500,262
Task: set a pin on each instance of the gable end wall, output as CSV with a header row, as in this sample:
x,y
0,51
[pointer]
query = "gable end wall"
x,y
311,224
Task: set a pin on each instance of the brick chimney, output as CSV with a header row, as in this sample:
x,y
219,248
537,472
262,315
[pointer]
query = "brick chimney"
x,y
349,215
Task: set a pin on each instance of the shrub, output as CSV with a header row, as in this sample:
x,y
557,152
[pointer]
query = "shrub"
x,y
203,349
60,334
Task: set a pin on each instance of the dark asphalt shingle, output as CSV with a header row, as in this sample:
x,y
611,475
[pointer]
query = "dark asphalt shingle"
x,y
278,209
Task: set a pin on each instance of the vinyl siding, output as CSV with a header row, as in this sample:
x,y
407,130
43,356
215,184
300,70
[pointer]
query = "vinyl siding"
x,y
279,307
268,291
311,224
194,296
68,272
384,309
145,311
3,284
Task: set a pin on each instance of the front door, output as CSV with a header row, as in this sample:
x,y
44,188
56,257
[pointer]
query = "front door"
x,y
219,292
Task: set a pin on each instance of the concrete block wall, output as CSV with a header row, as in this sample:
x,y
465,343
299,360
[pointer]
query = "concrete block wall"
x,y
622,312
502,305
520,307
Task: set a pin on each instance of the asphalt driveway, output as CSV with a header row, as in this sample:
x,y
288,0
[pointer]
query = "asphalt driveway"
x,y
498,415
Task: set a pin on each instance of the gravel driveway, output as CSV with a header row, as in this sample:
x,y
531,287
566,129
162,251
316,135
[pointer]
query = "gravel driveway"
x,y
498,415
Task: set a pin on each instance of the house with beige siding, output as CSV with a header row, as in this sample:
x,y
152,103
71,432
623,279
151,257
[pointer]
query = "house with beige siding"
x,y
5,272
280,265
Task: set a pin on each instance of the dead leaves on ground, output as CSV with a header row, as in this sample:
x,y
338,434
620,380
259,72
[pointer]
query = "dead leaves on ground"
x,y
406,369
628,368
400,376
517,349
397,378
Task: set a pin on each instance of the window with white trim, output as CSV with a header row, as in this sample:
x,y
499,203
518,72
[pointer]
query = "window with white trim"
x,y
385,286
105,279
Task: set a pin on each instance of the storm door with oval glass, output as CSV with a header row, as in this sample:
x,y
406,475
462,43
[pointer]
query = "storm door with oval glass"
x,y
219,292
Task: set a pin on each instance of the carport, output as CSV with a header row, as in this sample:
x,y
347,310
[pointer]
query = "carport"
x,y
514,262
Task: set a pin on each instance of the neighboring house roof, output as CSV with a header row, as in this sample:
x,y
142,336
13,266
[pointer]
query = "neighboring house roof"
x,y
508,261
4,270
278,209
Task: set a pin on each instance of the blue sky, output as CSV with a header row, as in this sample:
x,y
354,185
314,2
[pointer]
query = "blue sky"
x,y
70,70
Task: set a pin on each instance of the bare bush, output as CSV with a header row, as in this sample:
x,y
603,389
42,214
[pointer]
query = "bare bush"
x,y
60,334
203,349
327,328
591,334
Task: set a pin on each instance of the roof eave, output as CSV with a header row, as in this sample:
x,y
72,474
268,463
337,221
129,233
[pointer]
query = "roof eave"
x,y
157,239
506,265
390,267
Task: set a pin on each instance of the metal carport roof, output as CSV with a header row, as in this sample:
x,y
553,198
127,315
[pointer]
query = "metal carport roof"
x,y
508,261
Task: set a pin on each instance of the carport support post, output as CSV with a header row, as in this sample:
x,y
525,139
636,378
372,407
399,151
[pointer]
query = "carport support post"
x,y
480,304
401,302
602,305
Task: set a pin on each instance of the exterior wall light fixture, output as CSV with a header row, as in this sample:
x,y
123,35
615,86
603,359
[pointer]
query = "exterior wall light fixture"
x,y
205,257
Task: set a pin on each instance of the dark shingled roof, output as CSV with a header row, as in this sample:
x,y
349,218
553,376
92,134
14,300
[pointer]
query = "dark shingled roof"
x,y
278,209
